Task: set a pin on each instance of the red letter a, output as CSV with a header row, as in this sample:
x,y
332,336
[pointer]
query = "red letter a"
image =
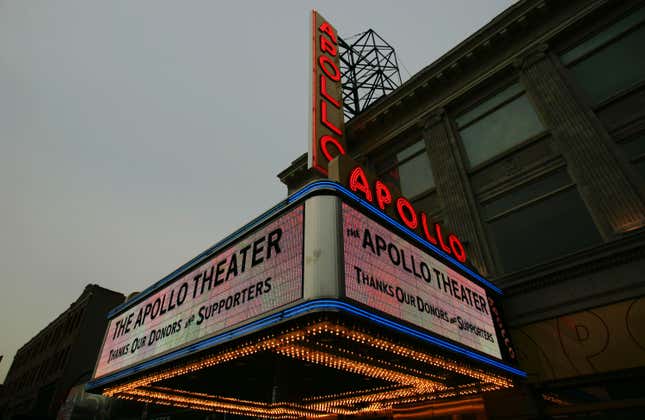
x,y
326,28
358,182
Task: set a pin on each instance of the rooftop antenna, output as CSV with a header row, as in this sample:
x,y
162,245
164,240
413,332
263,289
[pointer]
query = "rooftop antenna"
x,y
369,71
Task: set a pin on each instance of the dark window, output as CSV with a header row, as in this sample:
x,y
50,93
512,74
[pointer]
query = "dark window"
x,y
612,61
497,124
409,170
538,221
634,149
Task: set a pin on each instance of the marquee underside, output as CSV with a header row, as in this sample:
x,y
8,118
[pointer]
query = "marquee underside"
x,y
320,364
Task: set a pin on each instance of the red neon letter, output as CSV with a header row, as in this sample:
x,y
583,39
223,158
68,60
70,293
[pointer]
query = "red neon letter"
x,y
424,223
323,92
327,46
335,75
383,195
410,220
437,229
358,182
324,120
326,28
324,141
457,248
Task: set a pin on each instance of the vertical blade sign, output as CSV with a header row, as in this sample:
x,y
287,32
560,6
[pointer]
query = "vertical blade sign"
x,y
327,124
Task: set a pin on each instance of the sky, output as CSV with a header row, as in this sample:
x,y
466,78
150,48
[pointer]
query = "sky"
x,y
135,134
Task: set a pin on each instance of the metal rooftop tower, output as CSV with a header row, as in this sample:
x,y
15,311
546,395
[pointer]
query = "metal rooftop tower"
x,y
369,70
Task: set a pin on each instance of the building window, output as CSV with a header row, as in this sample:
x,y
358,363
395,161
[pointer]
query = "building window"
x,y
409,170
538,221
634,149
610,62
497,124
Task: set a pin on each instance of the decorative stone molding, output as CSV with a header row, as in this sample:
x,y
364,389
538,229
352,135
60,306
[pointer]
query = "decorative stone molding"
x,y
606,256
454,190
434,118
614,203
531,57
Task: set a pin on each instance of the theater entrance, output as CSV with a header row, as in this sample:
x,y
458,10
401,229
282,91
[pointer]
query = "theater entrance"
x,y
319,308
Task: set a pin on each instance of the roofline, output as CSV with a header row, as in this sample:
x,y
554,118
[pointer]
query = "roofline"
x,y
482,37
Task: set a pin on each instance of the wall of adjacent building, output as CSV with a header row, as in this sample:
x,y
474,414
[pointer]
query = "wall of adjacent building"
x,y
59,357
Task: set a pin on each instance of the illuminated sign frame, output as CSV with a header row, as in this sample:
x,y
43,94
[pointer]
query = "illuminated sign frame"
x,y
322,280
327,117
419,240
386,272
263,266
308,342
295,312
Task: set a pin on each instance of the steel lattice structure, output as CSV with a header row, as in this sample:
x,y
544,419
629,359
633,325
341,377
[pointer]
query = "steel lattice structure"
x,y
369,71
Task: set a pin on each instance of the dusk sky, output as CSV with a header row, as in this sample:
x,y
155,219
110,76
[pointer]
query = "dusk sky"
x,y
135,134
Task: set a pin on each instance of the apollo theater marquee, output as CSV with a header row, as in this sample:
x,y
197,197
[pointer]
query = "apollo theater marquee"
x,y
342,299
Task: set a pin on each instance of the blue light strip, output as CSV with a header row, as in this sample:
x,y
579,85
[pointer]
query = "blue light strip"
x,y
315,305
328,185
298,195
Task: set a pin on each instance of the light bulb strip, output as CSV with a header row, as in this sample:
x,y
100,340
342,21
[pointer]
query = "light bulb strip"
x,y
409,385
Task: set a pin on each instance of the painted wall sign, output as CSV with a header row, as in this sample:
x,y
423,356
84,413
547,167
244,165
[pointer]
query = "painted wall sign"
x,y
252,276
389,274
327,119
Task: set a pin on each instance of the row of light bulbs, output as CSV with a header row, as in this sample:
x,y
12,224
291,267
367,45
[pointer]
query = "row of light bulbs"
x,y
409,385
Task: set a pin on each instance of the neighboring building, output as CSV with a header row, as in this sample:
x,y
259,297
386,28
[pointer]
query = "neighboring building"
x,y
59,357
2,403
528,141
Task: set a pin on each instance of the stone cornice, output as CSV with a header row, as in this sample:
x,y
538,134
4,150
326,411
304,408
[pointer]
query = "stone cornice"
x,y
416,97
531,57
433,119
631,247
525,14
297,168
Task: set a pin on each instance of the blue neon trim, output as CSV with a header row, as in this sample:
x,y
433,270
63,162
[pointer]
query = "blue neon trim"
x,y
200,257
298,195
329,185
320,304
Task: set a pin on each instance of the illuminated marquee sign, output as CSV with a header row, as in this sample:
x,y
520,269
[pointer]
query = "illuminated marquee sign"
x,y
327,125
250,277
389,274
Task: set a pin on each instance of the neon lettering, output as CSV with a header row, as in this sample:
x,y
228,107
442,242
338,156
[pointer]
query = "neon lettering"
x,y
457,248
383,195
442,244
358,182
327,46
325,120
324,141
325,94
326,28
426,231
407,213
325,64
326,91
